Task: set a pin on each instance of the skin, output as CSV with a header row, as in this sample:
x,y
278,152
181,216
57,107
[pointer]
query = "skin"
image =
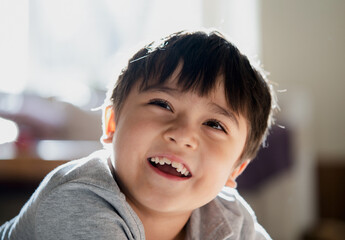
x,y
200,132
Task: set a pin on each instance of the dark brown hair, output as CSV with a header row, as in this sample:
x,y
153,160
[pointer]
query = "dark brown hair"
x,y
204,56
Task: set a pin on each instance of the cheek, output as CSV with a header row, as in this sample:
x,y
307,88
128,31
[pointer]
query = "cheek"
x,y
133,135
219,161
218,171
211,182
223,153
129,145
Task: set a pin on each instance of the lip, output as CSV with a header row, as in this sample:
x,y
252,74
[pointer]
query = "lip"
x,y
172,158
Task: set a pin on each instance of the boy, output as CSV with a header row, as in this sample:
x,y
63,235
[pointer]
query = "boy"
x,y
185,118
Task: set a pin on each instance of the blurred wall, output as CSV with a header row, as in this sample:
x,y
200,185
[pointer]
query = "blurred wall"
x,y
304,50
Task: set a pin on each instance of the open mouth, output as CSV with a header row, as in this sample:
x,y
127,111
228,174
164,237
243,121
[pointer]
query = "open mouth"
x,y
168,167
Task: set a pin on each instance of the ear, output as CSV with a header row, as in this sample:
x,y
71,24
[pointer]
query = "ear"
x,y
108,124
231,182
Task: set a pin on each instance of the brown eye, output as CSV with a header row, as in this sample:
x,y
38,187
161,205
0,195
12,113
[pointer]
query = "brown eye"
x,y
161,103
215,125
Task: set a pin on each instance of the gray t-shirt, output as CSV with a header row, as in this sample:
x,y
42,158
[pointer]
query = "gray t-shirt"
x,y
81,200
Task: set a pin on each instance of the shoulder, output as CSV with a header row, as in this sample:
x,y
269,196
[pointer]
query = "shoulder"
x,y
90,174
81,211
228,216
241,215
79,200
93,169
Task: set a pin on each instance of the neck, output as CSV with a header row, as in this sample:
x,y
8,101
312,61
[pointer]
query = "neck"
x,y
163,226
158,225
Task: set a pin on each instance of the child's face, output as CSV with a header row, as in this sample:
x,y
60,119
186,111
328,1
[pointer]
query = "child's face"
x,y
201,133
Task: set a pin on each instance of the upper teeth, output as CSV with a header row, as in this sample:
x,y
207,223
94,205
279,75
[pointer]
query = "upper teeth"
x,y
178,166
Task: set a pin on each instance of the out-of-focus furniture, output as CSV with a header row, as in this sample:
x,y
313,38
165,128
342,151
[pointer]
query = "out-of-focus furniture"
x,y
331,201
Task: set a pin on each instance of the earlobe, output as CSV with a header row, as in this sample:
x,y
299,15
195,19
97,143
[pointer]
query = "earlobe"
x,y
231,182
108,124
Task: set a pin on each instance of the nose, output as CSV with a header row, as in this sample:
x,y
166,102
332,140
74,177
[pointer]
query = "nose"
x,y
183,134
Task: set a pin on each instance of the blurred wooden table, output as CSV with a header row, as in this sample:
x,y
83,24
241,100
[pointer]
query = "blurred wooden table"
x,y
26,169
44,157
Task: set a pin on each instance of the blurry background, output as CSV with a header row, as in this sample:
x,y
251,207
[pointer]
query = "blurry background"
x,y
57,59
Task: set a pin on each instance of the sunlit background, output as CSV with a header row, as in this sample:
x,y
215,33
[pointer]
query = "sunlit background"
x,y
57,58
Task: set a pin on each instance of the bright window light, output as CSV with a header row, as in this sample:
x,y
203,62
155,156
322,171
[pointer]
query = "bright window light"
x,y
9,131
14,31
65,49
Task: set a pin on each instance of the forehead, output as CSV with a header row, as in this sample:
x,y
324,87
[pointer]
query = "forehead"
x,y
178,79
177,85
173,87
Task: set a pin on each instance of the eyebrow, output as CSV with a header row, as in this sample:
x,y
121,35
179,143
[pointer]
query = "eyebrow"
x,y
222,111
159,88
176,92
